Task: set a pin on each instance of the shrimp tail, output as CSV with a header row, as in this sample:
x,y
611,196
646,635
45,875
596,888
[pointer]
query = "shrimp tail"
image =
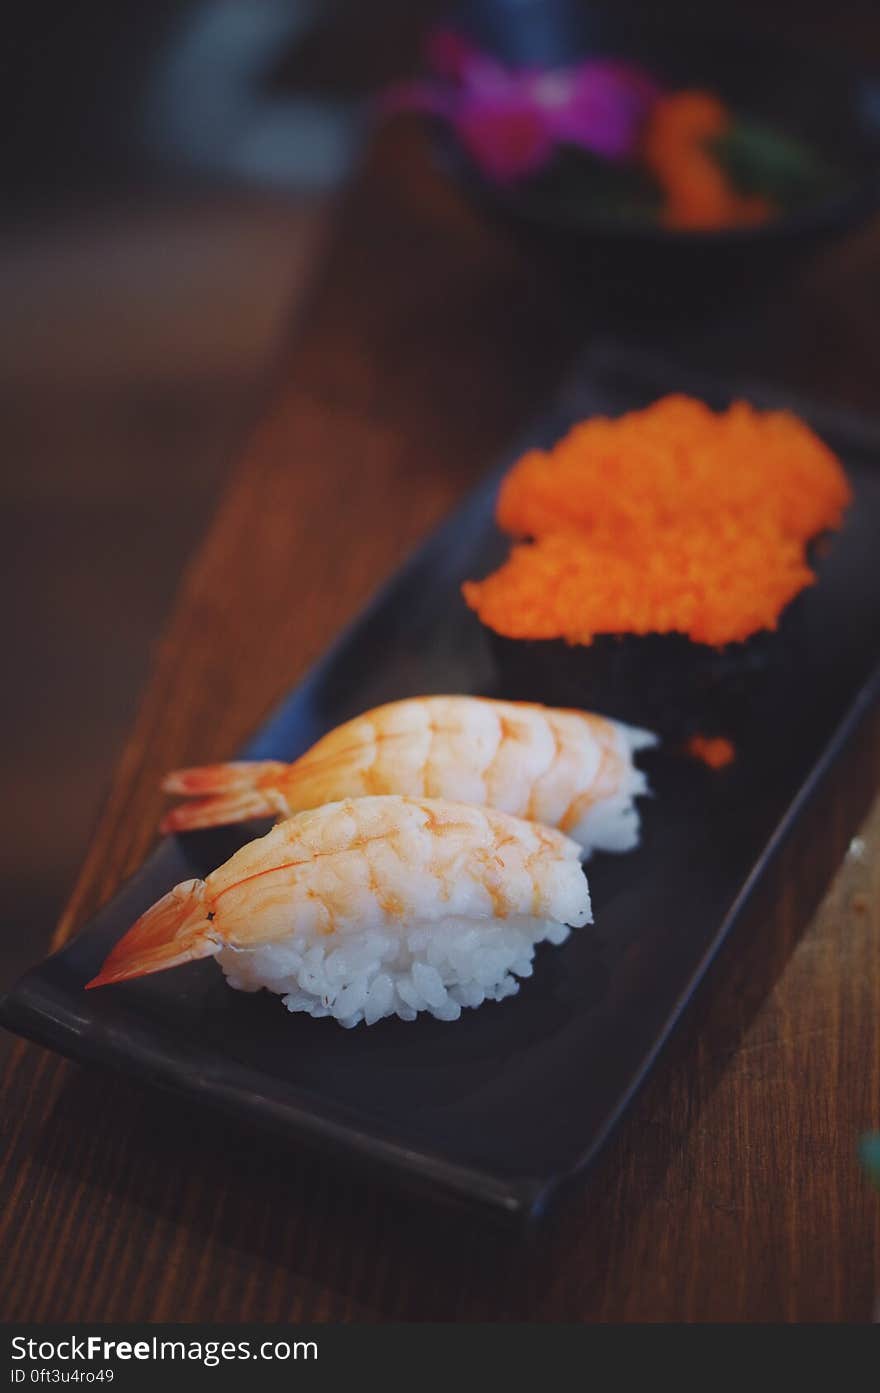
x,y
177,929
224,793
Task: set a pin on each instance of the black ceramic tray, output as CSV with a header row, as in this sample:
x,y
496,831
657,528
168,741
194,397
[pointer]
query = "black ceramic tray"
x,y
516,1098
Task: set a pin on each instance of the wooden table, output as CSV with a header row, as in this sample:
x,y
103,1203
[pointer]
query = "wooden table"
x,y
732,1190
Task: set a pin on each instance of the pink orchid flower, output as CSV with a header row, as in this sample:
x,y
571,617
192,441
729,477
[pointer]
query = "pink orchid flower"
x,y
510,121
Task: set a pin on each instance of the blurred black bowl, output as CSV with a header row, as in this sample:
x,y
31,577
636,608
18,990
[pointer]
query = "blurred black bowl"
x,y
826,105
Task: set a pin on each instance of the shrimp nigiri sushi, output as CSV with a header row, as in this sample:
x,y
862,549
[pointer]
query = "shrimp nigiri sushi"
x,y
566,769
372,907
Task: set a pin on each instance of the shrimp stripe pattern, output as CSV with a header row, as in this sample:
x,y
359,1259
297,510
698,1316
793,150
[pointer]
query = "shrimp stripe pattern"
x,y
567,769
356,865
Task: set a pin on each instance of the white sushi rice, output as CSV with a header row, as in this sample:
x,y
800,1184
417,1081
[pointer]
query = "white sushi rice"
x,y
437,966
612,823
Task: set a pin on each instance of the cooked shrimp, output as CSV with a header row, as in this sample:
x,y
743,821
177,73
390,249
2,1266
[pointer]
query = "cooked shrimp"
x,y
371,906
567,769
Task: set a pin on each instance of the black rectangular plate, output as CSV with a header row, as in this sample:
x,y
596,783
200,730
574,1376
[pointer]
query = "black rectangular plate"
x,y
517,1097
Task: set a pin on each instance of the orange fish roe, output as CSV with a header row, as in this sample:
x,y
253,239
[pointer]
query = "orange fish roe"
x,y
717,586
678,461
714,750
674,519
676,150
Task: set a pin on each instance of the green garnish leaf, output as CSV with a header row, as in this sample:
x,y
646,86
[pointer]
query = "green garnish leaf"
x,y
869,1155
762,160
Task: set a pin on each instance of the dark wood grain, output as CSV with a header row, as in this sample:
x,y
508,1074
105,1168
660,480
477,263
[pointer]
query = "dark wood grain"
x,y
732,1191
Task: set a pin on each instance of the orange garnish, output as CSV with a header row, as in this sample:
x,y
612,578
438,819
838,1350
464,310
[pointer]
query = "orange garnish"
x,y
676,149
714,750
